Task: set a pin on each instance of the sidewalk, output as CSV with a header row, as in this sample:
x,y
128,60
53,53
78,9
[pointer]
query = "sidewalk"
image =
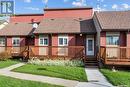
x,y
95,79
45,79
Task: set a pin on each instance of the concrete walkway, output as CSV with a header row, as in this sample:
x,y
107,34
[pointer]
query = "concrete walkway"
x,y
95,79
45,79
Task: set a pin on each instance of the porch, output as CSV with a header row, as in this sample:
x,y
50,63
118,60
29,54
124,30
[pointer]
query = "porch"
x,y
49,52
114,55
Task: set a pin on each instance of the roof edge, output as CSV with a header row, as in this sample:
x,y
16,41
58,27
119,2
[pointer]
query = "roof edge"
x,y
73,8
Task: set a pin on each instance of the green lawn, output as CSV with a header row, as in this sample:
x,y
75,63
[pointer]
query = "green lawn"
x,y
12,82
72,73
117,78
7,63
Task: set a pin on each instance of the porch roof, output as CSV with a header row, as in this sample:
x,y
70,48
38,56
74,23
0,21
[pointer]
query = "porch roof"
x,y
113,20
17,29
66,25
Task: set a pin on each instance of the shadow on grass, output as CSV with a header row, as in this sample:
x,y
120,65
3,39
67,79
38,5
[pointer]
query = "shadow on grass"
x,y
63,74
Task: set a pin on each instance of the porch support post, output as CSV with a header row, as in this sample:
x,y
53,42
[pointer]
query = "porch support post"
x,y
128,40
128,45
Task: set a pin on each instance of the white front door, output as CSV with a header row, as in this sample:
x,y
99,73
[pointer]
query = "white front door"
x,y
90,46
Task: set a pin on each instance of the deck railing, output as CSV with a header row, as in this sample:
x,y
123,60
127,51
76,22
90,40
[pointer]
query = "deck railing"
x,y
46,51
57,51
115,55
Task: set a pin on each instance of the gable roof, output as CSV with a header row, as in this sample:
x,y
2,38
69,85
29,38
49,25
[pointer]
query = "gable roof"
x,y
66,25
17,29
2,21
114,20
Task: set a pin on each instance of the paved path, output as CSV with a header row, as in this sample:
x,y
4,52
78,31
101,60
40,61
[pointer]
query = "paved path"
x,y
45,79
95,78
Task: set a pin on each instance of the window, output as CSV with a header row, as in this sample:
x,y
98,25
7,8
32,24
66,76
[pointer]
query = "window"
x,y
43,40
63,40
16,41
2,41
112,39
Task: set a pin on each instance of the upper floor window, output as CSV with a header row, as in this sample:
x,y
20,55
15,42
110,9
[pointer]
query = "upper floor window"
x,y
16,41
63,40
112,38
2,41
43,40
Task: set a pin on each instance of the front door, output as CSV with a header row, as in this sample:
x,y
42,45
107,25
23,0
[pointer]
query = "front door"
x,y
90,46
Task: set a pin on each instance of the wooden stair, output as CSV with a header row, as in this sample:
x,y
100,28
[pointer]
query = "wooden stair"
x,y
91,62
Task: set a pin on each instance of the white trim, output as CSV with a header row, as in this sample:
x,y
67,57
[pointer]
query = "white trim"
x,y
43,37
18,38
64,37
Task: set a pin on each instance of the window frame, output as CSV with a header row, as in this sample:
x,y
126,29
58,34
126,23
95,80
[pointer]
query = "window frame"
x,y
4,41
15,38
63,37
43,37
113,34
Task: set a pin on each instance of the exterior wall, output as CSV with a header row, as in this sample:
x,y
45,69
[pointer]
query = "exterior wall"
x,y
80,40
87,13
22,41
103,39
9,41
55,43
123,39
27,19
128,39
72,40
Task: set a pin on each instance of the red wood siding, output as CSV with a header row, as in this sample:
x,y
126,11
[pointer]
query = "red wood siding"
x,y
22,41
9,41
55,43
72,40
87,13
37,40
103,39
80,40
122,39
27,19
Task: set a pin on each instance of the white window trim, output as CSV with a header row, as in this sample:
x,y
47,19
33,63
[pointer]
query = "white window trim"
x,y
43,37
112,34
14,39
4,40
63,36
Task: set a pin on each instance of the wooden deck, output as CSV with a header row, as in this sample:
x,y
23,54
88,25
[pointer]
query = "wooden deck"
x,y
115,55
66,52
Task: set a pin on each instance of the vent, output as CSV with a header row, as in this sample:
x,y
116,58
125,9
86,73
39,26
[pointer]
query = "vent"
x,y
35,25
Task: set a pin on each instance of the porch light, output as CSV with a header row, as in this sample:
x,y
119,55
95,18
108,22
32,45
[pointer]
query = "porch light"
x,y
81,35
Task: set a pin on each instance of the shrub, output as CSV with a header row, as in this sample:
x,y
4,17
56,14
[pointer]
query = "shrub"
x,y
5,55
78,63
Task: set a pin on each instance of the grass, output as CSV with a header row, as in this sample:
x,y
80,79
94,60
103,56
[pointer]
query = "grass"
x,y
7,63
117,78
72,73
12,82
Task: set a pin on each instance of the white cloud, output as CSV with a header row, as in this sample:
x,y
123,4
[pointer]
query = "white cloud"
x,y
28,1
125,6
32,8
79,3
99,9
115,6
45,1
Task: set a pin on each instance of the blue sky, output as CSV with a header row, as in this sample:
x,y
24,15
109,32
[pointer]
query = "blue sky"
x,y
36,6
